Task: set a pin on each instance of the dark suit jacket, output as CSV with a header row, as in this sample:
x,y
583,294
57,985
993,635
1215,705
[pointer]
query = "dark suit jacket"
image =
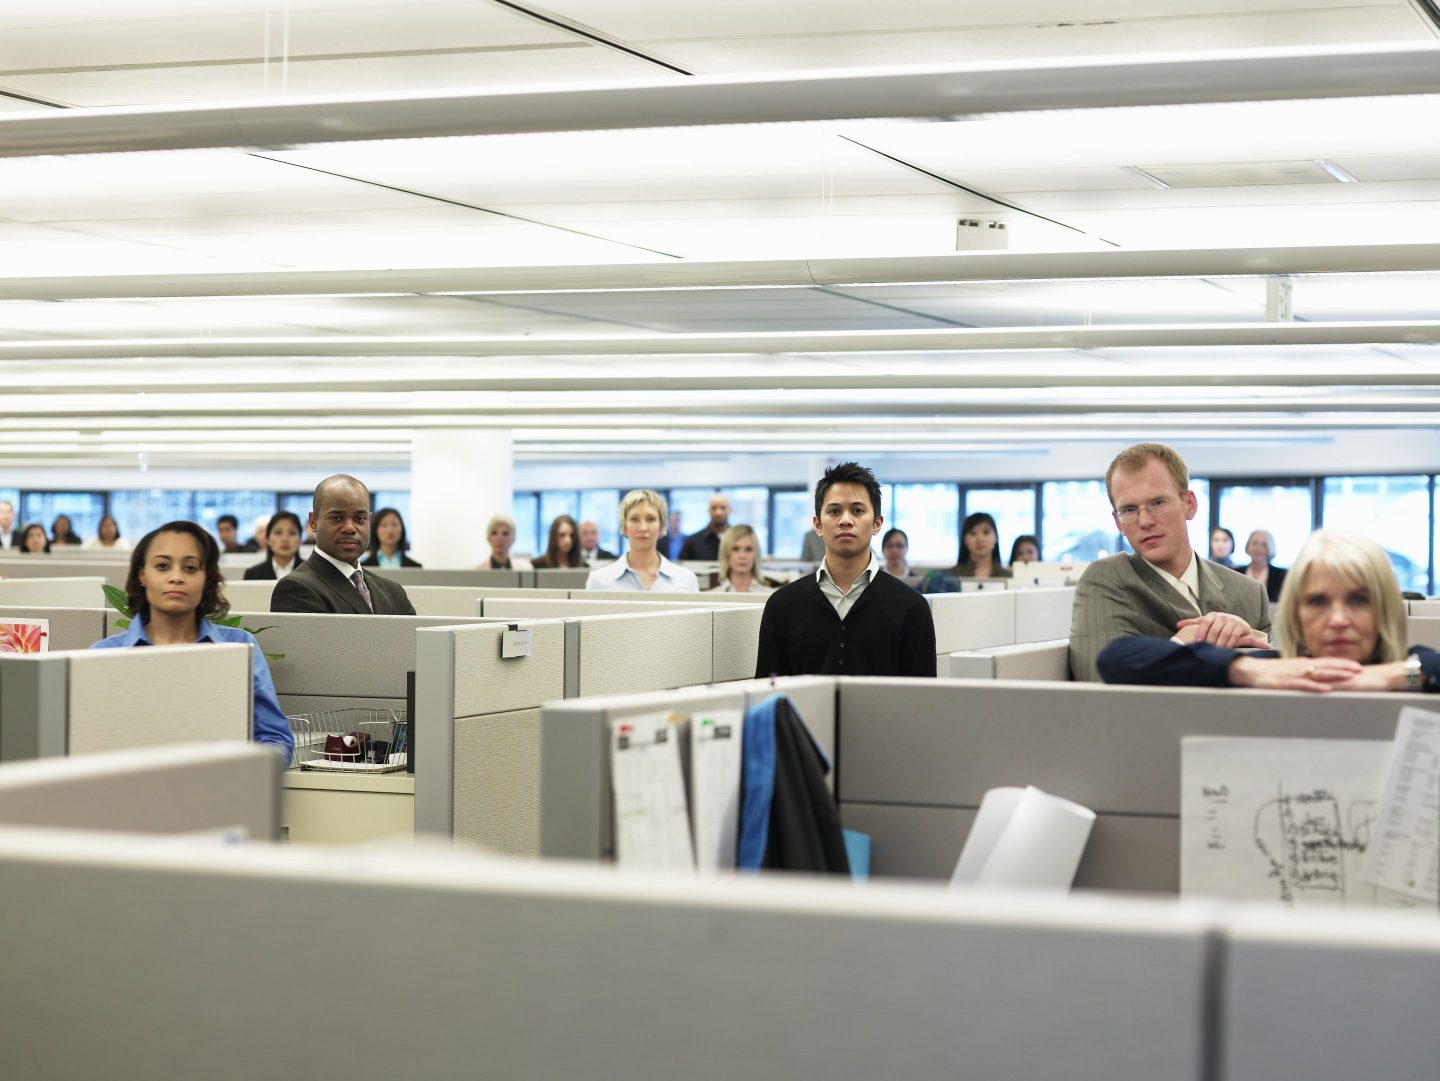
x,y
1124,595
602,556
1273,583
264,571
316,586
703,546
889,632
373,560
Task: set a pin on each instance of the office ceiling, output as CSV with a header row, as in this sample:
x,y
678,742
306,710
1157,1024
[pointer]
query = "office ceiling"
x,y
597,291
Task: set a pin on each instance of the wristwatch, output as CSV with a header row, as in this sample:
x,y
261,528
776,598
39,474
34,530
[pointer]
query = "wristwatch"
x,y
1414,677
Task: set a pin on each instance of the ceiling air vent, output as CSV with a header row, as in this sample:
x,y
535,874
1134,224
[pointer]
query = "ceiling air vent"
x,y
1244,174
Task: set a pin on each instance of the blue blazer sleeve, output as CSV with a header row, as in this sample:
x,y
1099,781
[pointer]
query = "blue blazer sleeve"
x,y
1159,662
271,727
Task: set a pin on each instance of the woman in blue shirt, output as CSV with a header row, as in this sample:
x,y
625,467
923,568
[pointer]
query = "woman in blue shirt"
x,y
174,578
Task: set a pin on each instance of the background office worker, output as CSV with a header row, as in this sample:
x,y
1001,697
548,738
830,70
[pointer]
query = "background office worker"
x,y
8,539
282,549
590,550
705,545
643,567
1164,588
848,618
331,579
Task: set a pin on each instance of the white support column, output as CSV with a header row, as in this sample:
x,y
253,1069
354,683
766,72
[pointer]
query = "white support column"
x,y
458,479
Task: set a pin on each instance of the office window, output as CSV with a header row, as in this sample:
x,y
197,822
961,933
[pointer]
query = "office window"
x,y
1286,510
1394,511
930,516
693,506
791,514
526,512
751,506
1012,508
137,511
247,506
602,506
1077,521
84,509
399,500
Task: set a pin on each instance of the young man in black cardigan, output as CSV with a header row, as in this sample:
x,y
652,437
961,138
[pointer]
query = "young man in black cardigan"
x,y
850,618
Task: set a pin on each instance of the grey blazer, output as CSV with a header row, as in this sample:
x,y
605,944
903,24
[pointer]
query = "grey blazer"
x,y
1124,595
316,586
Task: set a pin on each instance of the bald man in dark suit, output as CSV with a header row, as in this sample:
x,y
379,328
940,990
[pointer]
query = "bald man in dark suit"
x,y
331,580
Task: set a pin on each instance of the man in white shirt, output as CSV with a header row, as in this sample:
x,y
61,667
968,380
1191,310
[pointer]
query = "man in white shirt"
x,y
7,524
1164,589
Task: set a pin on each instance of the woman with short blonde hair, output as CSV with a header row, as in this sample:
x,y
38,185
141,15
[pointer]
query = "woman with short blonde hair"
x,y
642,522
500,532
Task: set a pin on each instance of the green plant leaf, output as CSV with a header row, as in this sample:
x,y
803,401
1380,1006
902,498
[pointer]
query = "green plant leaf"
x,y
257,630
123,624
117,598
229,621
274,656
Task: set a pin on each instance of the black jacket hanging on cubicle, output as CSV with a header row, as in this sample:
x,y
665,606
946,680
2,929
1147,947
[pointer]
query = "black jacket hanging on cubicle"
x,y
788,818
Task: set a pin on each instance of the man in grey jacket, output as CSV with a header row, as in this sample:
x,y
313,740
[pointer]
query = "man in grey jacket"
x,y
1164,588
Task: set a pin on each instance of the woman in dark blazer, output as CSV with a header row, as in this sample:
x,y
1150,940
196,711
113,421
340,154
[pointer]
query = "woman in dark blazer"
x,y
1261,550
388,542
282,544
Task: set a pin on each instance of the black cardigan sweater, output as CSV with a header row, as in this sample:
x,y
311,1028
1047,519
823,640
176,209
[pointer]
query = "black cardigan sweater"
x,y
888,632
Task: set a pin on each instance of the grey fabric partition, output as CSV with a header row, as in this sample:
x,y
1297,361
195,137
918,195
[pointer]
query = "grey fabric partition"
x,y
70,628
917,757
76,702
1030,661
419,576
77,592
181,788
339,661
1307,996
562,578
1425,631
575,817
226,962
44,566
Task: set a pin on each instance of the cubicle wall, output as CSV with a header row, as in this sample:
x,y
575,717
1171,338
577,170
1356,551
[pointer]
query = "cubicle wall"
x,y
70,628
918,756
173,789
113,571
334,662
53,592
553,971
575,815
76,702
477,713
416,576
1003,617
1031,661
915,758
477,763
1425,631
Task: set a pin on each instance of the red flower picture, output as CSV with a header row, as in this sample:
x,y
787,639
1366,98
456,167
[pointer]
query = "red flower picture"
x,y
24,637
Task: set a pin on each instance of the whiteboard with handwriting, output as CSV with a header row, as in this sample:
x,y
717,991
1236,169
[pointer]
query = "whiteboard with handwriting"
x,y
1283,820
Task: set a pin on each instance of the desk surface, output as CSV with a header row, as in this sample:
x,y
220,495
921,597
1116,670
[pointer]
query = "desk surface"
x,y
400,784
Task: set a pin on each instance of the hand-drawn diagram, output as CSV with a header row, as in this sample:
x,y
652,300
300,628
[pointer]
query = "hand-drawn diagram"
x,y
1282,820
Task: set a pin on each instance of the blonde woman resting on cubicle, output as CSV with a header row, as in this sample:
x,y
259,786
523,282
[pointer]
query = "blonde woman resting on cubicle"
x,y
740,563
643,515
173,584
1340,623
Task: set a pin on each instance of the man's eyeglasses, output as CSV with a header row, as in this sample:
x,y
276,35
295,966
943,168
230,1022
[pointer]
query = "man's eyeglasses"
x,y
1156,507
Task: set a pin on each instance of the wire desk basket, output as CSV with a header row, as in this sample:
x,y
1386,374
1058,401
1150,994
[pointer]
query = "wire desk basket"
x,y
351,740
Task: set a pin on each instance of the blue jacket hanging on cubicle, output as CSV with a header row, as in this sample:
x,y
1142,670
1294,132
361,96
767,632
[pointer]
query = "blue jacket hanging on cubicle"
x,y
788,818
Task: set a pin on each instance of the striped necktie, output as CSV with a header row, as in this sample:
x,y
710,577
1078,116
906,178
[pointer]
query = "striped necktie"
x,y
359,579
